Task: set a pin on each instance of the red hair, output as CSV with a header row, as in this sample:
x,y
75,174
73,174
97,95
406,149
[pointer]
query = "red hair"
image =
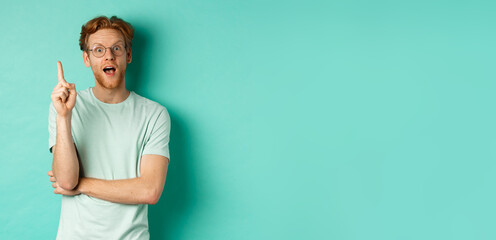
x,y
103,22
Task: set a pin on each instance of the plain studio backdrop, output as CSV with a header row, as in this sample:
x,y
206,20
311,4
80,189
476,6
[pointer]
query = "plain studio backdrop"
x,y
290,119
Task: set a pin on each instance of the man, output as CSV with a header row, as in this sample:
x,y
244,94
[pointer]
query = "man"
x,y
110,146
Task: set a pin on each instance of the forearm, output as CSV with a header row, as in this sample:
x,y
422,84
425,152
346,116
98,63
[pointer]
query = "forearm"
x,y
65,164
127,191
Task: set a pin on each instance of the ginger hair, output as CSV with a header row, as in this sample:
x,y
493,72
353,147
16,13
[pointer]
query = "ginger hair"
x,y
103,22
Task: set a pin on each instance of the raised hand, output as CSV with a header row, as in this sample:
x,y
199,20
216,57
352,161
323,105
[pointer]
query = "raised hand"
x,y
64,94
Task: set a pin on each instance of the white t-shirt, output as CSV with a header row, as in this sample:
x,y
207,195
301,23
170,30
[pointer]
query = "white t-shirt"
x,y
110,140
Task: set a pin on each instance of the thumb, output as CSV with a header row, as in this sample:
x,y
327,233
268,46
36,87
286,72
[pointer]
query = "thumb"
x,y
71,100
72,88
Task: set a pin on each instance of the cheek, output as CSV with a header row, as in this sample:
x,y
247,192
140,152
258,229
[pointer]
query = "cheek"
x,y
123,65
96,69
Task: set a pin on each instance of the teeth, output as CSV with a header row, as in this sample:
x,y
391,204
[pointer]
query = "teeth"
x,y
109,69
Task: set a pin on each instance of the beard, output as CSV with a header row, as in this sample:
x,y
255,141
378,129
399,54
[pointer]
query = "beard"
x,y
109,82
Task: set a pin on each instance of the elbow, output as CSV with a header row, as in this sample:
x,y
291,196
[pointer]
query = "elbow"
x,y
67,182
152,197
152,202
68,185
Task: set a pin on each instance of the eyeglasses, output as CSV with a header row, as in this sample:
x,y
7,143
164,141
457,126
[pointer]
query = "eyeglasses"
x,y
99,50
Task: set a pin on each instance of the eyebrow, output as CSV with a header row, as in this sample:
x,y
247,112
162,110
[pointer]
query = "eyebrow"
x,y
112,44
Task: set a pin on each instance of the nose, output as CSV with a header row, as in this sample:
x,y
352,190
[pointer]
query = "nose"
x,y
109,55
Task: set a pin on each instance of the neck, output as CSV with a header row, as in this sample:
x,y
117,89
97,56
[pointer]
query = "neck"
x,y
110,95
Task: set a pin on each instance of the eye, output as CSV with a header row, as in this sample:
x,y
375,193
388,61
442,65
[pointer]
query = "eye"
x,y
117,48
98,49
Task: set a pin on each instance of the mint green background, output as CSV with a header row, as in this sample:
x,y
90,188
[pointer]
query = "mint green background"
x,y
290,119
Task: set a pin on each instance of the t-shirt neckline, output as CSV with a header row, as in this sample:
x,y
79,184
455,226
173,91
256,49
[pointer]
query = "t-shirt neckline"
x,y
111,104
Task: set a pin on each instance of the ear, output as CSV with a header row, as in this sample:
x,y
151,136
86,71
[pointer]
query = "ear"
x,y
86,59
129,56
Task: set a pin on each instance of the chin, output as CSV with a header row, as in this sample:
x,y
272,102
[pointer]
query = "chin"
x,y
107,83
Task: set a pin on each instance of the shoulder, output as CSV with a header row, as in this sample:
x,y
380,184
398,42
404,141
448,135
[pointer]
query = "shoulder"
x,y
149,106
84,93
148,103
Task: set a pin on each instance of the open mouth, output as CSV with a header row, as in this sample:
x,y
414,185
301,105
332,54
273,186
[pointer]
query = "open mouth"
x,y
109,71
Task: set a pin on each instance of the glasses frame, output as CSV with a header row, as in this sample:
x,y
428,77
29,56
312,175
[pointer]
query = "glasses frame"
x,y
105,50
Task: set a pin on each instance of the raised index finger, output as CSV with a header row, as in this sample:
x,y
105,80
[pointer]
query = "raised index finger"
x,y
61,72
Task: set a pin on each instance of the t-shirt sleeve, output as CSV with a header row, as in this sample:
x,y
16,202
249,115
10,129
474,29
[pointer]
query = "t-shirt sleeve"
x,y
158,143
52,126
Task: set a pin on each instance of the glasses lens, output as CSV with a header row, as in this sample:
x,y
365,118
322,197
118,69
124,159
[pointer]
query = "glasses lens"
x,y
98,51
118,50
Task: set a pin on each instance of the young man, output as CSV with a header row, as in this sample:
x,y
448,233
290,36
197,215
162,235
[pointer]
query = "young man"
x,y
110,145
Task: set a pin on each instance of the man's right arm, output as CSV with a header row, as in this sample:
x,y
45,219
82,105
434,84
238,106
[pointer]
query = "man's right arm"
x,y
65,165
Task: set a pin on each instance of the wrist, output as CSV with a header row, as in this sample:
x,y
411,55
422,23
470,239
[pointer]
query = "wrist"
x,y
80,187
66,116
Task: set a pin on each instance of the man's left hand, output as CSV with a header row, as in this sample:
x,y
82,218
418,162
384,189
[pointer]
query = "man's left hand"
x,y
58,189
